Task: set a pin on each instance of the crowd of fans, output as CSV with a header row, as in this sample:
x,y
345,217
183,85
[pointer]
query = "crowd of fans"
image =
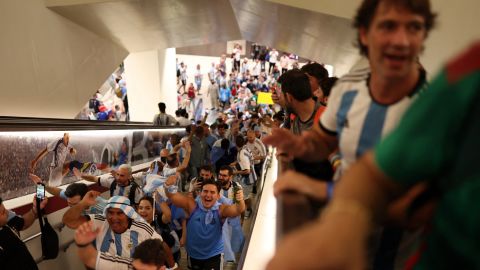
x,y
18,151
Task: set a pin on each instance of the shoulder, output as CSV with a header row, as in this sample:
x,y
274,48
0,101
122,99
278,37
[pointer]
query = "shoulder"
x,y
356,75
142,227
350,84
97,217
107,261
15,221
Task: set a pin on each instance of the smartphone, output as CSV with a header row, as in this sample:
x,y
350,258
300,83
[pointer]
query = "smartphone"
x,y
41,191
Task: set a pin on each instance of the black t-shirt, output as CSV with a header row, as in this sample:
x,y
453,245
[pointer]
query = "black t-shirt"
x,y
13,252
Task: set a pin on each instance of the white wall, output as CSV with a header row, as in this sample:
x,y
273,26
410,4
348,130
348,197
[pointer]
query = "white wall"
x,y
151,78
50,66
457,26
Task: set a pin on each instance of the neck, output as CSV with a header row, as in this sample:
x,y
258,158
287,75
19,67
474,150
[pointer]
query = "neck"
x,y
304,109
388,91
227,186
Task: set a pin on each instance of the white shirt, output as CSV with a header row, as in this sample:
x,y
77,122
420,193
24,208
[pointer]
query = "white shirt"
x,y
257,148
273,56
106,180
60,154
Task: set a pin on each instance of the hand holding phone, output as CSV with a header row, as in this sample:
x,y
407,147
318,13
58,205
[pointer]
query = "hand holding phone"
x,y
40,191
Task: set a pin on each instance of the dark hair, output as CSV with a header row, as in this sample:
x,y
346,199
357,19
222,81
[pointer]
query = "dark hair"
x,y
171,159
150,251
280,116
1,200
147,198
366,12
296,83
226,168
315,70
188,129
211,182
327,85
207,168
75,189
225,144
162,107
239,141
222,125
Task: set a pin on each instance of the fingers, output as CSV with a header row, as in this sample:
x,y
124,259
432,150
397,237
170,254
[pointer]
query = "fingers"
x,y
239,195
43,203
77,173
35,178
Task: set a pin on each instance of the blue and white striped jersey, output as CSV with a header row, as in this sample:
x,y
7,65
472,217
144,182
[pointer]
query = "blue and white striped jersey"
x,y
359,121
121,244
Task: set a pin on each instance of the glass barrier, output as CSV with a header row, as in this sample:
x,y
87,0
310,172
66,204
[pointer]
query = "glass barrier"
x,y
52,148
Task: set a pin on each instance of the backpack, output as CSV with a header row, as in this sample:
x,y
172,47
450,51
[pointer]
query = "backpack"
x,y
49,238
131,194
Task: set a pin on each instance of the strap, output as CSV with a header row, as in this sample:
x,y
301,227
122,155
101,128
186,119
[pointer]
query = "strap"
x,y
131,194
113,186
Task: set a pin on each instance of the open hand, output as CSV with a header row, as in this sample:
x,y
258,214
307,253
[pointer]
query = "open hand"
x,y
85,233
37,180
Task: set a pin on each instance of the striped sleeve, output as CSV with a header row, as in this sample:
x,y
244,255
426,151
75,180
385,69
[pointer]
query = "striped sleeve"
x,y
261,147
106,261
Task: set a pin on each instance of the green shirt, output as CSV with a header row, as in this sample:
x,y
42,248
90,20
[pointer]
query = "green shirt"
x,y
438,140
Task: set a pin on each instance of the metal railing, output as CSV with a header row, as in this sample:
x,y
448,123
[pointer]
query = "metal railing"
x,y
265,168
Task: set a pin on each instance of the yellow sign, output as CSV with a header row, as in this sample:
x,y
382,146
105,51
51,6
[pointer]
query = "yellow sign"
x,y
264,98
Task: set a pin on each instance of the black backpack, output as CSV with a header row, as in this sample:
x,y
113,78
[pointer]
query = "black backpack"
x,y
131,194
49,238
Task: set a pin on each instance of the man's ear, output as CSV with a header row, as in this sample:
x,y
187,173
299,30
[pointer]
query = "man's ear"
x,y
288,97
362,34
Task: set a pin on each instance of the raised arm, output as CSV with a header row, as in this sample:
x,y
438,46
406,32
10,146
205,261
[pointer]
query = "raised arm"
x,y
178,199
166,213
84,236
312,145
87,177
52,190
74,216
186,158
234,209
33,163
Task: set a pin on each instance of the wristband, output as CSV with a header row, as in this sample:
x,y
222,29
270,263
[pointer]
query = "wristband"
x,y
82,245
171,189
330,186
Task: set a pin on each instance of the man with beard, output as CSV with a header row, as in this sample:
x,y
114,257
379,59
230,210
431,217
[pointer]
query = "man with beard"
x,y
233,237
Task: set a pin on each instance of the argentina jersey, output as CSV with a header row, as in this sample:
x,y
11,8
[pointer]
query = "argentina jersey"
x,y
123,244
358,121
